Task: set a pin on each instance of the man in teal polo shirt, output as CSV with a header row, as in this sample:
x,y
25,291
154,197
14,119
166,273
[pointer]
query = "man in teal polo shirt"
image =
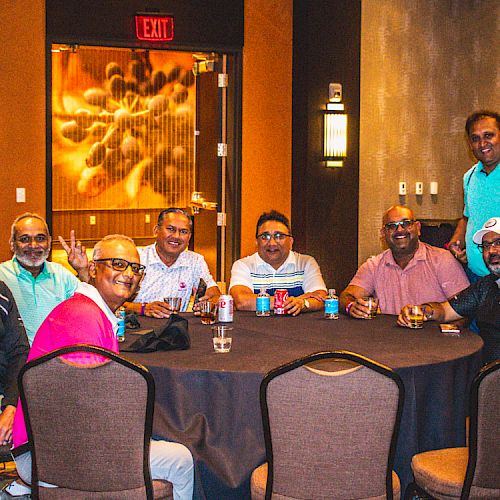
x,y
36,284
481,190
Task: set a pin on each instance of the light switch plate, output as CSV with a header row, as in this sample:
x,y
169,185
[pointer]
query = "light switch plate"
x,y
402,188
20,195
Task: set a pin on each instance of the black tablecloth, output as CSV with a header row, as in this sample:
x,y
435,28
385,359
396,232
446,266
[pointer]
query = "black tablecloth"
x,y
210,402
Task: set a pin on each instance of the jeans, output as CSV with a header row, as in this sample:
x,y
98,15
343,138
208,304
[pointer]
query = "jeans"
x,y
168,461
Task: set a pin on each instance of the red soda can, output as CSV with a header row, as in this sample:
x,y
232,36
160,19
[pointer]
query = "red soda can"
x,y
226,307
280,297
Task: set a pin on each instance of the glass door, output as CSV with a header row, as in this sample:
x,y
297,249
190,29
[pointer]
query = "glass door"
x,y
133,132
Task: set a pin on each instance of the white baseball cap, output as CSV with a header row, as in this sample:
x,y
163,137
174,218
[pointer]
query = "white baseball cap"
x,y
492,224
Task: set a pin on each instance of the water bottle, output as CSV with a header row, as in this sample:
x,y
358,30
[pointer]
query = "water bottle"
x,y
263,304
120,333
332,305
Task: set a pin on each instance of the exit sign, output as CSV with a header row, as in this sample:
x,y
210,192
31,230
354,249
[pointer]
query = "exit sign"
x,y
154,28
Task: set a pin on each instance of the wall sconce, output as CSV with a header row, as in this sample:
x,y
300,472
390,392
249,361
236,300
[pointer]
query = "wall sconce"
x,y
335,128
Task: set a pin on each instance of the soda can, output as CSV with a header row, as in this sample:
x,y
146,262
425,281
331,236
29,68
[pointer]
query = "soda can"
x,y
280,297
226,307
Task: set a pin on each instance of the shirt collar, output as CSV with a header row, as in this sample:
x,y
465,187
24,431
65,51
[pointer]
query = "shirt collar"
x,y
420,254
180,261
92,293
19,269
290,260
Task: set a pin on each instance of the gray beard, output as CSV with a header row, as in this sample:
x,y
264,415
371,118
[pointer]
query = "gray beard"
x,y
25,261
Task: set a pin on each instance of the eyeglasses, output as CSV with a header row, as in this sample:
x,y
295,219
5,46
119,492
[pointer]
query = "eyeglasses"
x,y
393,226
39,238
277,236
122,265
488,245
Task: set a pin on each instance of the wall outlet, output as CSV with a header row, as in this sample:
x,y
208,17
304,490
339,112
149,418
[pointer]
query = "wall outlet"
x,y
147,218
419,188
92,220
20,195
402,188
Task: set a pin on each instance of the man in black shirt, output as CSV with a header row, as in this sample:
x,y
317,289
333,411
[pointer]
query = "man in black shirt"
x,y
481,300
14,349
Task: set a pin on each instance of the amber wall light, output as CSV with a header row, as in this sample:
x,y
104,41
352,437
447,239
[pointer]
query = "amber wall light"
x,y
335,128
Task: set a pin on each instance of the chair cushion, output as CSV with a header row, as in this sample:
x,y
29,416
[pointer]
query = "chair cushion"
x,y
441,472
259,479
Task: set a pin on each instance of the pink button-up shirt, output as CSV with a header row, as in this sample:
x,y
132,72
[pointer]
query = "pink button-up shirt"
x,y
433,275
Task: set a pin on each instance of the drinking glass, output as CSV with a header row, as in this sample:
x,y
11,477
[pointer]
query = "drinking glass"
x,y
372,304
173,303
416,314
208,312
222,337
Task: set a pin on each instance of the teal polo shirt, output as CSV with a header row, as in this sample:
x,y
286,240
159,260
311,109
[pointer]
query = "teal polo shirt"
x,y
481,202
36,297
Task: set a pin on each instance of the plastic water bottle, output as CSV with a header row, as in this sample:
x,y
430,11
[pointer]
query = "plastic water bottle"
x,y
332,305
263,304
120,333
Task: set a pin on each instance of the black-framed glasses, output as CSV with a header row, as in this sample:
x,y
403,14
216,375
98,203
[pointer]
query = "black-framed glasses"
x,y
39,238
122,265
488,245
393,226
277,236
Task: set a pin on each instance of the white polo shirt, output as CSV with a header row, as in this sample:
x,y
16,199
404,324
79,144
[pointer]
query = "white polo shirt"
x,y
178,280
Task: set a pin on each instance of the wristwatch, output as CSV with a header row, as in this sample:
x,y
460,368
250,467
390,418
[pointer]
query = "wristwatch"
x,y
307,304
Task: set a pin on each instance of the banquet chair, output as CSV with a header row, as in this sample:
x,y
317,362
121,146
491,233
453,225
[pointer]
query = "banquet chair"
x,y
331,422
89,425
473,472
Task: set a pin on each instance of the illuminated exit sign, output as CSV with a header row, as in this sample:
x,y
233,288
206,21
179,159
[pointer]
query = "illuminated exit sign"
x,y
154,28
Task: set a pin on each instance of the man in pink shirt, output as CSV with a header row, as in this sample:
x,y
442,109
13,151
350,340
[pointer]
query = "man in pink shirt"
x,y
408,272
88,318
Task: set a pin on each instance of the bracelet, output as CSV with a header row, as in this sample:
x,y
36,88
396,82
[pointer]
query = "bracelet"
x,y
426,314
348,308
143,308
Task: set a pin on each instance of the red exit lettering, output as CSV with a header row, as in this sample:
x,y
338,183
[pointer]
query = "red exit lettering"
x,y
154,28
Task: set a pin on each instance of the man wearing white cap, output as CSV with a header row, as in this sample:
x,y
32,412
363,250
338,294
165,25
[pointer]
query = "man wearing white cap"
x,y
481,300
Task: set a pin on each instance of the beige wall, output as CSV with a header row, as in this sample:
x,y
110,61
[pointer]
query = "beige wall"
x,y
267,114
425,65
22,116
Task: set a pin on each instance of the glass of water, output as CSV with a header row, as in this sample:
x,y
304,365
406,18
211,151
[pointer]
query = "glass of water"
x,y
222,337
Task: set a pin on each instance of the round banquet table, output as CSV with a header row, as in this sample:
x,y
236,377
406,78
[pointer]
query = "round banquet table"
x,y
210,401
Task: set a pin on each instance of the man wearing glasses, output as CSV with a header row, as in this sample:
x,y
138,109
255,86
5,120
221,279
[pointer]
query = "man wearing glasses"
x,y
275,266
408,272
88,317
173,270
481,300
37,284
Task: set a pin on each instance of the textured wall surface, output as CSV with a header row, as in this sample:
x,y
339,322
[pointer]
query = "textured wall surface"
x,y
425,65
266,142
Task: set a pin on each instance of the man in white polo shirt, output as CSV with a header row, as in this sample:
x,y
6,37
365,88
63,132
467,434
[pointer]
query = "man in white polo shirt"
x,y
171,269
276,266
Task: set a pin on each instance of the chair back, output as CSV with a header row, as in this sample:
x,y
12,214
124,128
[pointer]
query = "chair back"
x,y
482,479
89,425
331,435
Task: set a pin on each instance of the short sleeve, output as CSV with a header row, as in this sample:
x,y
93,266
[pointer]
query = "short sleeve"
x,y
240,275
205,273
365,277
313,280
467,302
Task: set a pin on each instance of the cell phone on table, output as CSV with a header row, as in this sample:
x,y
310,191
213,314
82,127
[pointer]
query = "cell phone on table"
x,y
449,329
200,291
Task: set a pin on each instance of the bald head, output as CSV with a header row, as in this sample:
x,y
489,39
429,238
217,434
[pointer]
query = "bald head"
x,y
397,212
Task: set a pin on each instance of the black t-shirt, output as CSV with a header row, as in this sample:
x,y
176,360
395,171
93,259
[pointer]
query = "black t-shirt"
x,y
14,346
481,301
